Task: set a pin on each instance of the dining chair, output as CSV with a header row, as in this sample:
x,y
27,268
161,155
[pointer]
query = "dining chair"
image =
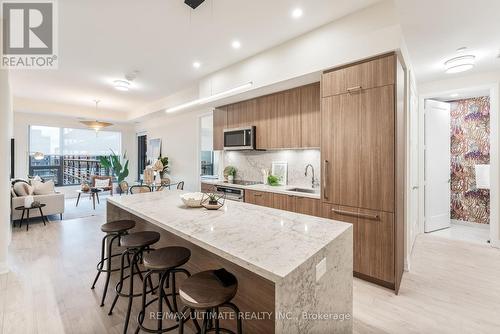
x,y
180,185
140,189
124,187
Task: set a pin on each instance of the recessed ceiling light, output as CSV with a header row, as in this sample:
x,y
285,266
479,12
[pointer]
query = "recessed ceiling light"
x,y
196,64
236,44
459,64
454,95
122,85
297,12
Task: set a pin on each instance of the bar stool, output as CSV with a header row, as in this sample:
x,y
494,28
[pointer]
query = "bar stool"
x,y
165,262
114,230
135,243
206,291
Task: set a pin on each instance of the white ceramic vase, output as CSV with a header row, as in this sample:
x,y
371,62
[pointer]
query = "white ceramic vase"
x,y
230,178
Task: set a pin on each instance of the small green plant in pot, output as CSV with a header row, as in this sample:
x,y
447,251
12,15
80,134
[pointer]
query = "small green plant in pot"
x,y
273,180
230,173
164,161
213,199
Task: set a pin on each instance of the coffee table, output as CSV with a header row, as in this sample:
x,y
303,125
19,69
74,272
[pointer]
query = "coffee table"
x,y
93,192
27,211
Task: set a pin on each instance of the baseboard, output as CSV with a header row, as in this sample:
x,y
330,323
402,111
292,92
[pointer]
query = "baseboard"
x,y
495,243
470,224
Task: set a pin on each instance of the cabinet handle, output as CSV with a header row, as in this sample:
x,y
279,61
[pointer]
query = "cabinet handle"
x,y
257,194
325,174
354,89
356,214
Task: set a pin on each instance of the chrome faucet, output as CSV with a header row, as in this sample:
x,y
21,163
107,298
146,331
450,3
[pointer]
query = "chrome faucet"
x,y
314,181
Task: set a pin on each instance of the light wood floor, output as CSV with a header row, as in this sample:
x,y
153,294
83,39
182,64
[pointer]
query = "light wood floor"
x,y
454,287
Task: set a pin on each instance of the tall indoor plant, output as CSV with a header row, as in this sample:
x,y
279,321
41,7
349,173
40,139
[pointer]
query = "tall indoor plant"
x,y
118,165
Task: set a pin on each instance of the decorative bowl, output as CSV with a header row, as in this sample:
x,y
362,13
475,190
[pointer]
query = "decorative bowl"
x,y
192,200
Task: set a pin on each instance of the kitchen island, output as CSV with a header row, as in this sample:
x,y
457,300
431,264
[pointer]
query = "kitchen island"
x,y
294,271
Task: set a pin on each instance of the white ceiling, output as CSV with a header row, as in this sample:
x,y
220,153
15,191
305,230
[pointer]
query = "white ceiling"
x,y
100,41
435,29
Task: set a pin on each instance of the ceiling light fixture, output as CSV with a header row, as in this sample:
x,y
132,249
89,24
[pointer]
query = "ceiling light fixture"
x,y
236,44
196,64
459,64
297,13
96,125
210,98
122,85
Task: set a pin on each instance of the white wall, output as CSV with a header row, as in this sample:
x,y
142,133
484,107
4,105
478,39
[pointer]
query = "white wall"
x,y
363,34
180,134
490,81
23,120
6,134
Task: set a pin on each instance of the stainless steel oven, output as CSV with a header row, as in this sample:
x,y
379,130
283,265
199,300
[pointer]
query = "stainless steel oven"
x,y
239,139
232,194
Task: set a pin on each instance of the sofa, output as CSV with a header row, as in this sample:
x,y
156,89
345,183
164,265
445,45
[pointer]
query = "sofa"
x,y
54,203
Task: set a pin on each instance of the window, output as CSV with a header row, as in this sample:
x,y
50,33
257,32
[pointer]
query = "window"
x,y
71,156
208,158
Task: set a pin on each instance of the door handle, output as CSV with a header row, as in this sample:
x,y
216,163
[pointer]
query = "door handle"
x,y
325,174
414,187
356,214
354,89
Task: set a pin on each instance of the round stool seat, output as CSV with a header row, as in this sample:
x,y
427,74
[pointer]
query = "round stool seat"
x,y
140,239
118,226
204,290
166,258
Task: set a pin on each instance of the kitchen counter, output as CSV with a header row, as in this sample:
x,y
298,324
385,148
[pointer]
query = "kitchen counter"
x,y
282,249
267,188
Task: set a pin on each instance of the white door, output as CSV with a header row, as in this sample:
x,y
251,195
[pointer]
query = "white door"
x,y
414,171
437,165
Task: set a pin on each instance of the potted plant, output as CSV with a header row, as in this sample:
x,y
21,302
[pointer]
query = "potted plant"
x,y
118,165
230,173
213,199
273,180
164,161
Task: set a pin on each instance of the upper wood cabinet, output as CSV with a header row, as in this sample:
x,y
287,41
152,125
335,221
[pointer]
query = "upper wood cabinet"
x,y
374,73
241,114
219,124
310,115
288,119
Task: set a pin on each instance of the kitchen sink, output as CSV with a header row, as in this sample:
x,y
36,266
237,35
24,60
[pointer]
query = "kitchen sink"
x,y
304,190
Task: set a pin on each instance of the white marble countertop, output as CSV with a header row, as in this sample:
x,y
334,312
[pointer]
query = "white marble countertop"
x,y
267,188
269,242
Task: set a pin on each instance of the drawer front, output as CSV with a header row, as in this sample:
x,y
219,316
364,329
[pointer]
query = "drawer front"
x,y
373,240
258,198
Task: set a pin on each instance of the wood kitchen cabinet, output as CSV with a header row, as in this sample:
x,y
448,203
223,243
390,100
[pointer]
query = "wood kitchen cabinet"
x,y
219,124
284,202
363,75
259,198
308,206
207,187
373,241
362,138
287,119
310,115
242,114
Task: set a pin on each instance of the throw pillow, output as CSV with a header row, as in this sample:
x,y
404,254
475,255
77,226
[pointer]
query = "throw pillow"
x,y
101,183
22,189
42,188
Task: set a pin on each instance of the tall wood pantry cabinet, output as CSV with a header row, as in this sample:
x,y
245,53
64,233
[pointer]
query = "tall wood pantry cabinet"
x,y
362,153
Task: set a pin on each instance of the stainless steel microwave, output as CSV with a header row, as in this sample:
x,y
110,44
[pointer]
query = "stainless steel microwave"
x,y
239,139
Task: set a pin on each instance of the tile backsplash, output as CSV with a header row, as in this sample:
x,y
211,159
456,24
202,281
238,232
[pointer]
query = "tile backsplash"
x,y
249,164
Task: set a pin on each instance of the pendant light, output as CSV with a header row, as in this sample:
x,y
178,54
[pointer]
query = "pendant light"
x,y
96,125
